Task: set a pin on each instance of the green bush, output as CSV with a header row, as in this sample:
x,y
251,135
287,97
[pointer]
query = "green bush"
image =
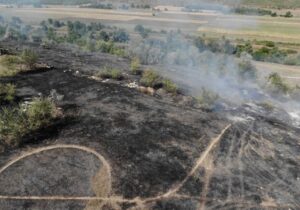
x,y
9,65
247,70
15,123
150,78
278,84
7,93
288,14
170,86
207,98
29,58
135,65
267,105
292,60
40,112
111,73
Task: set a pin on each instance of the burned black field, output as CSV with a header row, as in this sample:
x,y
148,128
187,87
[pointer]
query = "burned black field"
x,y
118,148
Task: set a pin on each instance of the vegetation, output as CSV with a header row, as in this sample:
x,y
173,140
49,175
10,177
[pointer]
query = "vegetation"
x,y
288,14
207,98
98,6
150,78
278,84
247,70
170,86
135,65
214,45
269,52
267,105
29,58
254,11
111,73
15,123
144,32
11,65
7,93
140,6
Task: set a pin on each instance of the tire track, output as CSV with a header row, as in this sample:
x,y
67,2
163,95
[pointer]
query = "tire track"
x,y
198,163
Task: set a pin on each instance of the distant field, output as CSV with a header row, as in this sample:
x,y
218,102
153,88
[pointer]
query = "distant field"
x,y
283,30
289,73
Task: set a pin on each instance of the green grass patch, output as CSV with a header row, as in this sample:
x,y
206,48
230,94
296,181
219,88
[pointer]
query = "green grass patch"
x,y
170,86
7,93
11,65
150,78
135,66
15,123
207,98
111,73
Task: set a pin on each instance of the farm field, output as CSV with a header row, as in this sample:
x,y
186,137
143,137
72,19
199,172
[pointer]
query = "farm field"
x,y
213,24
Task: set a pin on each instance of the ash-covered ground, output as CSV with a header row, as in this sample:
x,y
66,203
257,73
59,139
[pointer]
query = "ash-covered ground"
x,y
118,148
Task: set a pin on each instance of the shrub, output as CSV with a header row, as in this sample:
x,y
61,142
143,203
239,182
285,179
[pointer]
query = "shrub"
x,y
150,79
277,82
135,65
267,105
141,30
207,98
29,58
40,112
111,73
15,123
292,60
288,14
9,65
170,86
7,93
247,70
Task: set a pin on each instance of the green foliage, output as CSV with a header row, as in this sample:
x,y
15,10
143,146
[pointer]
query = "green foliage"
x,y
253,11
267,105
150,78
111,73
222,45
292,60
120,36
170,86
288,14
207,98
278,84
247,70
9,65
142,31
269,54
40,112
17,122
135,65
7,93
247,47
109,47
29,58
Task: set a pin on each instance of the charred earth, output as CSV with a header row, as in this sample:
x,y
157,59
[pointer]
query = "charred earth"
x,y
118,148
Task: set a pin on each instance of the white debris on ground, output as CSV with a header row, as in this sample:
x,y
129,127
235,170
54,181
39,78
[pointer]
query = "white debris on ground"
x,y
295,117
132,85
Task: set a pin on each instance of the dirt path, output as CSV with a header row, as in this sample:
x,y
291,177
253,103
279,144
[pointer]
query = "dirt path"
x,y
198,163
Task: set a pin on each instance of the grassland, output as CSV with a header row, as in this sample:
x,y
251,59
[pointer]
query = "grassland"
x,y
284,31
